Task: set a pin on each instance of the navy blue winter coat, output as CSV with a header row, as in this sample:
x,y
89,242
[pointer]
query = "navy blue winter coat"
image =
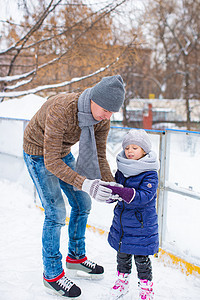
x,y
134,229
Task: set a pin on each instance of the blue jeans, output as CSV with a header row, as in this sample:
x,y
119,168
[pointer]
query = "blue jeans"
x,y
49,190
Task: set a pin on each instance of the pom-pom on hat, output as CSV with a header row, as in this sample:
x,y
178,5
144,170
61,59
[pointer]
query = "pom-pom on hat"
x,y
109,93
137,137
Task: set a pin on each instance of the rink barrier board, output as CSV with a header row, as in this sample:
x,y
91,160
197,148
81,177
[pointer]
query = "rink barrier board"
x,y
186,267
166,257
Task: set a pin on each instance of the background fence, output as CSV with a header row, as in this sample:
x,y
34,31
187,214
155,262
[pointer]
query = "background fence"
x,y
178,193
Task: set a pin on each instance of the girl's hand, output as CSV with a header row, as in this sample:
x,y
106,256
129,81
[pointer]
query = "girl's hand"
x,y
121,193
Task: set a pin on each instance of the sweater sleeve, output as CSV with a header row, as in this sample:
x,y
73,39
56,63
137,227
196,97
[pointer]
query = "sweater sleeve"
x,y
56,124
101,139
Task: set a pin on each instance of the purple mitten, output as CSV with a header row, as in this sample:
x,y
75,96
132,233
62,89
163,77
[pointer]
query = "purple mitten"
x,y
127,194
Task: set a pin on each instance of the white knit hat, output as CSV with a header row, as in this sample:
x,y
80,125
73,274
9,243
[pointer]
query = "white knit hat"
x,y
137,137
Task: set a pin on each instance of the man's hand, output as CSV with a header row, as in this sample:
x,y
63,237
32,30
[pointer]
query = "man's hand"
x,y
112,183
113,198
97,190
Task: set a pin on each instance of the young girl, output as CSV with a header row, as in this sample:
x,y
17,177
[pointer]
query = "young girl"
x,y
134,229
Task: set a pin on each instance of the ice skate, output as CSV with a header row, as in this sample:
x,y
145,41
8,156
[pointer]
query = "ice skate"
x,y
83,268
146,290
62,286
120,287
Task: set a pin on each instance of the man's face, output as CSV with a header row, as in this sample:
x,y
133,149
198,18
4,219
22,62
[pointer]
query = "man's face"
x,y
99,113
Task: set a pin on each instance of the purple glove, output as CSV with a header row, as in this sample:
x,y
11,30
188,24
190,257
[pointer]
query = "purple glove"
x,y
126,194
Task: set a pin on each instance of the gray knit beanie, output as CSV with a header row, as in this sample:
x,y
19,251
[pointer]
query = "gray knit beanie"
x,y
109,93
137,137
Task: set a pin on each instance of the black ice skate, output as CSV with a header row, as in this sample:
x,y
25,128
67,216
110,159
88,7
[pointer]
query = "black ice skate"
x,y
62,286
83,268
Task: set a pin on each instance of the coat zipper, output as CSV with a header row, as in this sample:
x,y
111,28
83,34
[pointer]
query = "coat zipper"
x,y
120,241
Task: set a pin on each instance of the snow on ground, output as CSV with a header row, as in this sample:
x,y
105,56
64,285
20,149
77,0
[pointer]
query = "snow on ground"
x,y
21,262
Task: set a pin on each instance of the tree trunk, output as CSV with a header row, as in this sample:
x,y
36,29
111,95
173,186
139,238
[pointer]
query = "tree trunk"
x,y
187,98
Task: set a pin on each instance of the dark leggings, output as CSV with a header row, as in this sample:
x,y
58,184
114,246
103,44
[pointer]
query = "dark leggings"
x,y
143,265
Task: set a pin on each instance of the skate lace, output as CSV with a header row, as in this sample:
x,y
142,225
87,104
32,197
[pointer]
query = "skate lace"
x,y
89,264
65,283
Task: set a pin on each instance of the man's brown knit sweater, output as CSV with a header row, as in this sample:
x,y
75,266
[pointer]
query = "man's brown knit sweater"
x,y
54,129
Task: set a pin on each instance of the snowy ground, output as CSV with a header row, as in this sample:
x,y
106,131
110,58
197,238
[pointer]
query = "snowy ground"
x,y
21,264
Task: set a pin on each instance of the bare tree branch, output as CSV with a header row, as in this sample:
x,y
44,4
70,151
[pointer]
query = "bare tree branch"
x,y
34,28
108,9
45,87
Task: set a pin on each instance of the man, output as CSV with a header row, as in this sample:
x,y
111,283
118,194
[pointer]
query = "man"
x,y
62,121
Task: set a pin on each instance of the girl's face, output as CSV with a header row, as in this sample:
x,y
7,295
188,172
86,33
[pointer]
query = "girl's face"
x,y
134,152
99,113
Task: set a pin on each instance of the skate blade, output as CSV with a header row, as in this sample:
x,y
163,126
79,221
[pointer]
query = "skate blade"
x,y
116,297
55,293
74,274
